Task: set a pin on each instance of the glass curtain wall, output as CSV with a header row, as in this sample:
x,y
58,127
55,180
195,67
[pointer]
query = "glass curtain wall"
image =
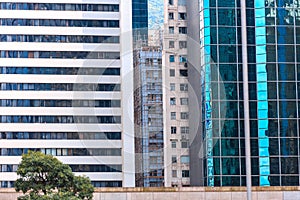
x,y
273,53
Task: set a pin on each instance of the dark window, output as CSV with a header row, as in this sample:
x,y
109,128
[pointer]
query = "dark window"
x,y
184,87
183,72
172,101
182,30
182,44
173,130
64,23
185,173
171,44
171,15
172,72
174,159
182,16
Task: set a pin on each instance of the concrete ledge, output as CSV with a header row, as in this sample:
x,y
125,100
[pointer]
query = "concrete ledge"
x,y
183,189
184,193
199,189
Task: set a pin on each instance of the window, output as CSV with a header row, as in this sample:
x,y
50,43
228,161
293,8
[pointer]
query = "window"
x,y
172,101
171,2
172,86
182,2
171,58
185,159
182,16
182,44
171,15
172,72
171,29
185,173
174,173
171,44
173,130
184,87
183,72
174,159
184,101
184,115
184,130
182,30
153,159
148,61
184,144
150,86
173,115
182,58
173,144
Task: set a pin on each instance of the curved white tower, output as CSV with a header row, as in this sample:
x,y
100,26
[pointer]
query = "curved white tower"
x,y
66,87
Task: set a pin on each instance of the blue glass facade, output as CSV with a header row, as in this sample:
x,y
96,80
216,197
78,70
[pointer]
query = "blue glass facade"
x,y
273,64
140,20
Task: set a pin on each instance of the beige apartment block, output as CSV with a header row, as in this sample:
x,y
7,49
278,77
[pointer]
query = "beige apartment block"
x,y
175,82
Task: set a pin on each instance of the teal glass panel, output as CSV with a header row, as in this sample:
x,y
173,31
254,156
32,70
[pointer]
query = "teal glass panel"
x,y
217,167
262,105
264,170
260,40
259,4
260,31
206,4
206,14
261,86
226,17
264,161
230,166
264,181
261,58
263,124
264,142
261,77
206,22
261,133
207,39
207,31
261,68
260,13
263,113
262,95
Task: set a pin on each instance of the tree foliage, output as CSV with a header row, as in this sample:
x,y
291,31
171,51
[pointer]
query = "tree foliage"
x,y
44,177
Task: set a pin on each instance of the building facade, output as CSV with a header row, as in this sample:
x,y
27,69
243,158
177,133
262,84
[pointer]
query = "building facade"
x,y
140,22
176,99
273,71
148,111
67,87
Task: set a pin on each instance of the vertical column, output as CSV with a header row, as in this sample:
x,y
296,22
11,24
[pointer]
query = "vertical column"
x,y
262,93
208,99
127,93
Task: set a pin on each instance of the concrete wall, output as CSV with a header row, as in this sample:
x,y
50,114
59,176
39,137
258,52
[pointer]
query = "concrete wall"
x,y
192,193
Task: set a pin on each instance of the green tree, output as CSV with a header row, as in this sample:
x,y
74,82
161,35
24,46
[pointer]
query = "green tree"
x,y
44,177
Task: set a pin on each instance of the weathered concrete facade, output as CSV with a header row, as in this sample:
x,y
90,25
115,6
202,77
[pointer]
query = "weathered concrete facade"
x,y
191,193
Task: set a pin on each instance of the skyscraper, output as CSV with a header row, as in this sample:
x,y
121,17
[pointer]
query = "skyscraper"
x,y
273,71
176,98
67,87
148,110
148,101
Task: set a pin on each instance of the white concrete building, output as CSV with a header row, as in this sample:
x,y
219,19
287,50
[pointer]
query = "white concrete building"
x,y
175,82
67,87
